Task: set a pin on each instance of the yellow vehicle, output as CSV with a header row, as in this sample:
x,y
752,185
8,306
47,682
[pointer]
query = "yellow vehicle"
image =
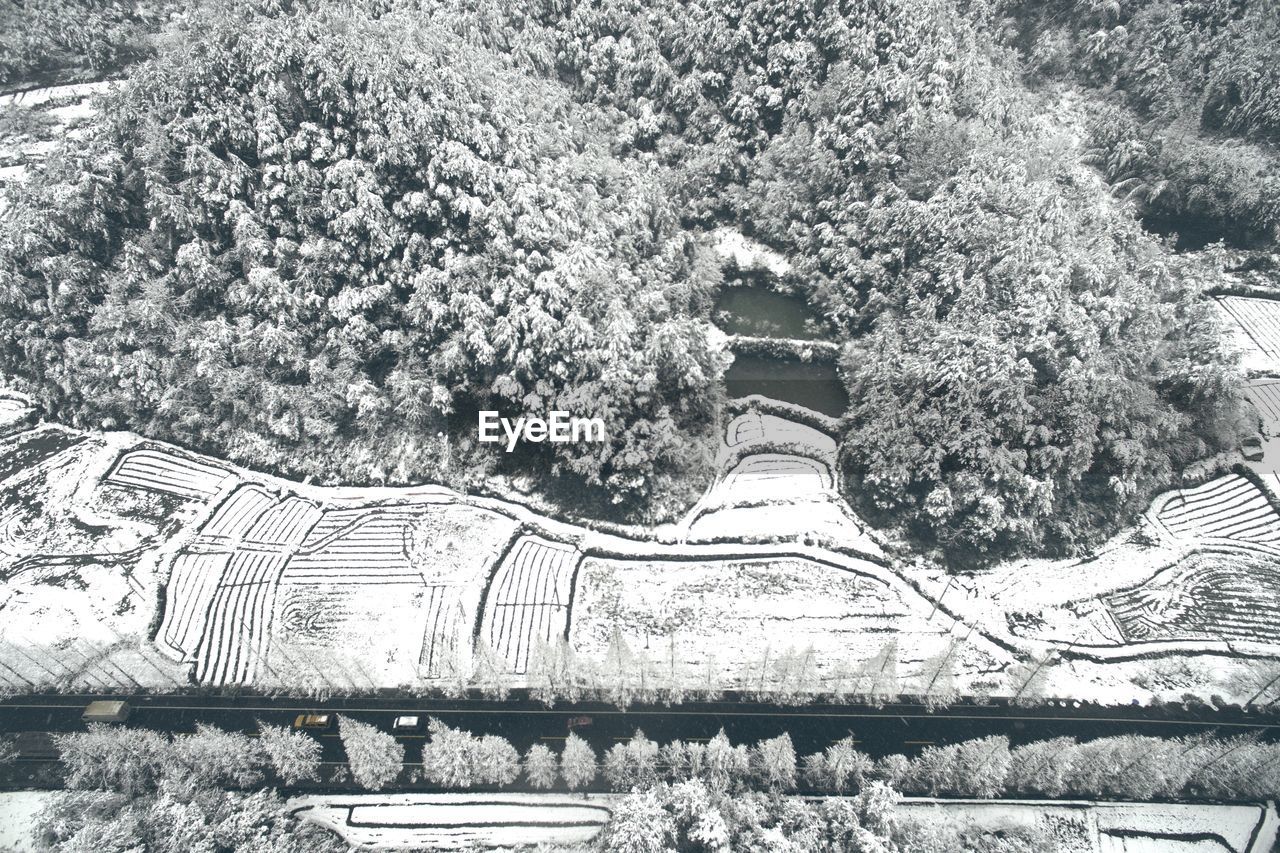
x,y
313,721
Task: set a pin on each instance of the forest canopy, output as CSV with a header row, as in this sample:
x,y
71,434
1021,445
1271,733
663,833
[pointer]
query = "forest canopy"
x,y
317,237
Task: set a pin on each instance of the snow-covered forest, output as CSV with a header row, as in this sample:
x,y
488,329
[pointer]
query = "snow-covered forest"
x,y
316,237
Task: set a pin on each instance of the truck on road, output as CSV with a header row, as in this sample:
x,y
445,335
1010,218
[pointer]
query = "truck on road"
x,y
106,711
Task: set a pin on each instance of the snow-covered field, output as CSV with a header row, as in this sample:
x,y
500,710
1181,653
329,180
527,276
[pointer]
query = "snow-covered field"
x,y
528,599
18,812
1254,328
1096,827
82,562
455,821
107,540
829,625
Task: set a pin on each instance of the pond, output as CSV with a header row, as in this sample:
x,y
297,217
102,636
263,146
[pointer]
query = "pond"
x,y
760,311
757,310
811,384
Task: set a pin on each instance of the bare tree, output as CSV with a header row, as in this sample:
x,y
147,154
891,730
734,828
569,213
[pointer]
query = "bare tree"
x,y
877,679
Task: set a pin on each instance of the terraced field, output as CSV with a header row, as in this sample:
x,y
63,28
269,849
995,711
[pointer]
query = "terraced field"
x,y
754,427
1258,325
1210,596
234,642
1265,396
396,585
1230,507
269,577
163,471
528,599
776,476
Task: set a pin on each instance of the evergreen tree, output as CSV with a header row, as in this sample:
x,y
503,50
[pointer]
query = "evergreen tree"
x,y
294,756
374,756
540,766
577,763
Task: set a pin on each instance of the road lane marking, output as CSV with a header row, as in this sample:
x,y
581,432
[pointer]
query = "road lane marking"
x,y
671,714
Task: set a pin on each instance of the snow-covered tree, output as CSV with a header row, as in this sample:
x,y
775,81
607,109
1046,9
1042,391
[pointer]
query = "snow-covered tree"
x,y
774,763
633,764
449,756
497,760
374,756
126,760
212,757
294,756
845,766
540,766
577,763
489,673
725,765
638,824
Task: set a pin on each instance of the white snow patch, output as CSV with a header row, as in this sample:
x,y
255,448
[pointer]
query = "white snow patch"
x,y
1100,827
748,254
455,821
72,92
18,813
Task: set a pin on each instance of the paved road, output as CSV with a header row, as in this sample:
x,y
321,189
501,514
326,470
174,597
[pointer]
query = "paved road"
x,y
904,728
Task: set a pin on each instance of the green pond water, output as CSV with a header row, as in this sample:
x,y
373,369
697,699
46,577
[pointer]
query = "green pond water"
x,y
759,311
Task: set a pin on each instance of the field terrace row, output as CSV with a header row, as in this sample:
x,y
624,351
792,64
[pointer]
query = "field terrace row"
x,y
275,586
270,583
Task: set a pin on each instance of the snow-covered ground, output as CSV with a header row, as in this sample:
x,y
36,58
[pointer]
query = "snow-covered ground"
x,y
453,821
747,254
243,578
16,413
18,812
456,821
37,120
1098,827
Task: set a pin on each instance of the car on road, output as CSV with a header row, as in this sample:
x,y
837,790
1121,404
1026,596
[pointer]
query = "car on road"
x,y
406,724
316,722
579,722
106,711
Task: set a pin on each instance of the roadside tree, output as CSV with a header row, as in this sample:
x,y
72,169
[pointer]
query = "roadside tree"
x,y
449,756
212,757
497,760
577,763
773,762
540,766
633,764
374,756
294,756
